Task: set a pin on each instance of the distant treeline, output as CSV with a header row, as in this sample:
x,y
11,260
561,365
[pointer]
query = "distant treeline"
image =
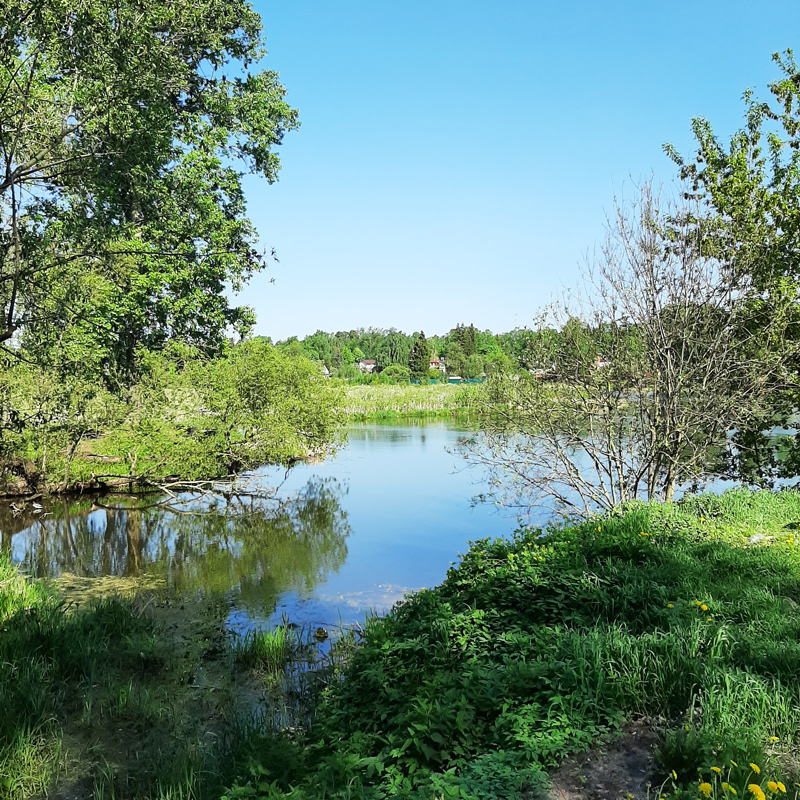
x,y
465,350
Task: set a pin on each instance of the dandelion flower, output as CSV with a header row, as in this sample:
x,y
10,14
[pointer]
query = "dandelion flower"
x,y
773,738
734,763
716,769
781,787
757,791
726,786
733,791
705,788
709,619
697,603
755,769
772,786
704,607
674,775
630,796
669,605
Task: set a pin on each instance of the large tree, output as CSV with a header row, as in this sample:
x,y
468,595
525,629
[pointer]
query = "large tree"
x,y
125,127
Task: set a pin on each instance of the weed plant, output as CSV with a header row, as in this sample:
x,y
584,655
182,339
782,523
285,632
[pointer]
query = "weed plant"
x,y
535,648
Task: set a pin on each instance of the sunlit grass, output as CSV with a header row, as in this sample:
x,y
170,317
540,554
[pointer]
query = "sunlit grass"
x,y
377,402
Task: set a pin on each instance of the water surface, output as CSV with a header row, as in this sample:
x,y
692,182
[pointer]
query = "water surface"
x,y
385,516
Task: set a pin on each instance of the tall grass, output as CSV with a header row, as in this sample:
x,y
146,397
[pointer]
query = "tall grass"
x,y
376,402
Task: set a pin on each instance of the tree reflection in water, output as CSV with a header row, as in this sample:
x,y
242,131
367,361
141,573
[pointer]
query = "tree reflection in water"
x,y
257,550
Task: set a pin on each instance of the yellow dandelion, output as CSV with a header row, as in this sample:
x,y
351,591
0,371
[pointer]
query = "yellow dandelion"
x,y
733,791
630,796
674,775
598,527
704,607
734,763
697,603
709,619
772,786
716,769
669,605
781,787
726,786
705,788
773,738
755,769
757,791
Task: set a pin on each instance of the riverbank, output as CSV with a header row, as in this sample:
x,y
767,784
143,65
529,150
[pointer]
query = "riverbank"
x,y
679,620
686,617
379,403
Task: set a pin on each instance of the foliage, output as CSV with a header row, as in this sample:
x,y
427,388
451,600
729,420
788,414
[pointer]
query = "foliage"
x,y
394,374
534,648
749,213
391,347
121,208
188,417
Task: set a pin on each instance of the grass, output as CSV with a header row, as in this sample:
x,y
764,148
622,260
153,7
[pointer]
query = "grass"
x,y
375,402
536,648
101,701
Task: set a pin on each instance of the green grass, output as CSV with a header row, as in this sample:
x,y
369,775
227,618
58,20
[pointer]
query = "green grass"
x,y
101,699
376,402
535,648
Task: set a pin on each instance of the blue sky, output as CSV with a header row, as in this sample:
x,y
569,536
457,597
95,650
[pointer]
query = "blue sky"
x,y
456,160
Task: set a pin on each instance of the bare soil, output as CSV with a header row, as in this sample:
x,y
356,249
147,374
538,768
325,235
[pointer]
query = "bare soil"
x,y
615,770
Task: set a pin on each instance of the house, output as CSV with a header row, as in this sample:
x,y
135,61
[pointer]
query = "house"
x,y
367,366
438,363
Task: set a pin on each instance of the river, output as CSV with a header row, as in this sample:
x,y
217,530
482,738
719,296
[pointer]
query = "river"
x,y
385,516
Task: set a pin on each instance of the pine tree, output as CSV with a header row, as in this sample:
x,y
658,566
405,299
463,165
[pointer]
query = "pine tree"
x,y
419,360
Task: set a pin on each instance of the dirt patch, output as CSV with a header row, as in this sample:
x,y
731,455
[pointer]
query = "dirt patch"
x,y
616,770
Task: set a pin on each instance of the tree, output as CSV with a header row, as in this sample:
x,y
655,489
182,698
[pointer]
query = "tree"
x,y
656,365
748,200
419,360
122,216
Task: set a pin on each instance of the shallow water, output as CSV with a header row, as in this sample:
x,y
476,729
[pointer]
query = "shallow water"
x,y
385,516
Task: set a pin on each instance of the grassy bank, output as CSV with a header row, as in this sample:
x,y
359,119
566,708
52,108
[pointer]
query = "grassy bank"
x,y
376,402
538,648
119,698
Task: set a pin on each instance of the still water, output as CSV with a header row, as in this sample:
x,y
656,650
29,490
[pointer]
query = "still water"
x,y
385,516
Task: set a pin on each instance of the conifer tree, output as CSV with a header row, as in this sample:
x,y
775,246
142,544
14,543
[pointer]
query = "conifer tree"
x,y
419,359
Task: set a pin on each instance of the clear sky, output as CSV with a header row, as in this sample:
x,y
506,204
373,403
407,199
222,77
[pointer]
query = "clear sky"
x,y
457,159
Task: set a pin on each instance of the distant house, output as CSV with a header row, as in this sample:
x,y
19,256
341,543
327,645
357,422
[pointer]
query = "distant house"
x,y
367,366
438,363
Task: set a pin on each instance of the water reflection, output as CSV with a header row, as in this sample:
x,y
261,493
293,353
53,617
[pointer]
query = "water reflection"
x,y
263,550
